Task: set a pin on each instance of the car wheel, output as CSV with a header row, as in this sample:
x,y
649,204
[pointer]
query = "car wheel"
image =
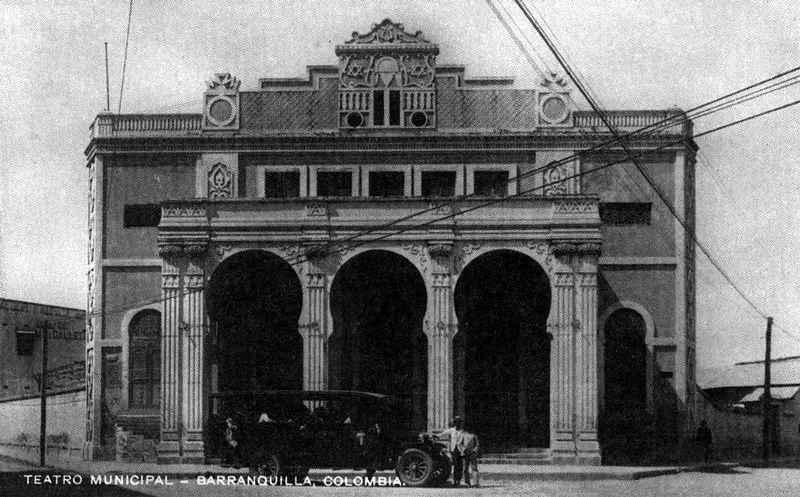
x,y
414,467
268,465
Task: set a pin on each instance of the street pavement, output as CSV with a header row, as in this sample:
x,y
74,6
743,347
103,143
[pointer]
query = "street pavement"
x,y
20,479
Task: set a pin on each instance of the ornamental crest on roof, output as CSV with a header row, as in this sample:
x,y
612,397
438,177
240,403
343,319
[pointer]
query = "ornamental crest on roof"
x,y
387,32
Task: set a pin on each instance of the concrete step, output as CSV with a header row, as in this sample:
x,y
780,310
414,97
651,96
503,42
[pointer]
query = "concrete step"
x,y
513,461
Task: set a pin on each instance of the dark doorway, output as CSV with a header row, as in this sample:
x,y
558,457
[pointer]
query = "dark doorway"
x,y
378,302
502,351
254,303
625,365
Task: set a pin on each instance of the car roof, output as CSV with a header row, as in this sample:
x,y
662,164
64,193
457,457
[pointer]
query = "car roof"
x,y
305,394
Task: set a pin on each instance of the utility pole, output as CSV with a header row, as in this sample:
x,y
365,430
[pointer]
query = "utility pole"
x,y
43,388
767,398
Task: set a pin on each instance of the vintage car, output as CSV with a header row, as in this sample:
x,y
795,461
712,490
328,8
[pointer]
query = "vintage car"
x,y
284,433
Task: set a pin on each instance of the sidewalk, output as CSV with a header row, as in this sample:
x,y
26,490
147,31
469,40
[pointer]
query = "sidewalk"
x,y
497,472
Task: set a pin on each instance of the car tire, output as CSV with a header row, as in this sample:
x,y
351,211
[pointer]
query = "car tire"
x,y
415,468
267,464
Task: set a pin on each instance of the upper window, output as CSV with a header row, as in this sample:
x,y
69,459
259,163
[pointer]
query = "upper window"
x,y
438,183
386,183
622,213
141,215
491,183
334,183
282,184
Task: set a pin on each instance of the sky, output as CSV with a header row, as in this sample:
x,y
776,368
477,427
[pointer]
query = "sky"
x,y
634,54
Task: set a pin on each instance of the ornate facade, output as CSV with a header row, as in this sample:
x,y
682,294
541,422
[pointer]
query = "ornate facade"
x,y
383,161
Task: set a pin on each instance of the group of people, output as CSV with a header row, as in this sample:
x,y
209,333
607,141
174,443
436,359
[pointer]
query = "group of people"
x,y
463,446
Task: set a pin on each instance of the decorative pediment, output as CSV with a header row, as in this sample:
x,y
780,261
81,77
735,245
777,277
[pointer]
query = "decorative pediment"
x,y
387,32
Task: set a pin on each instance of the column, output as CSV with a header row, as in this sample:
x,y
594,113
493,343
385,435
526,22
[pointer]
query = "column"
x,y
169,449
441,329
193,329
562,357
314,327
587,353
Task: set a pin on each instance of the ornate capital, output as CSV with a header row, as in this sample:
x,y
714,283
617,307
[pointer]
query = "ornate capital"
x,y
564,249
440,250
315,251
589,249
169,251
195,250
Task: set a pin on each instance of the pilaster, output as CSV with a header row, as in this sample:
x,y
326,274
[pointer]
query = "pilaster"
x,y
169,450
562,357
441,328
193,328
314,326
588,447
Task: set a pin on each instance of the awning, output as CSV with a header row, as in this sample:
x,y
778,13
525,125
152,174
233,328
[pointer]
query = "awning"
x,y
777,393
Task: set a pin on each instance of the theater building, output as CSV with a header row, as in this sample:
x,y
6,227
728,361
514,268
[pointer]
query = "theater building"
x,y
389,225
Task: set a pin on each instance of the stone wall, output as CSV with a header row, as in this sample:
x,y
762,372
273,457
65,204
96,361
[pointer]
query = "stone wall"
x,y
19,426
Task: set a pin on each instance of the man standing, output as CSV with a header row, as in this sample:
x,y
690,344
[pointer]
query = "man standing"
x,y
468,448
704,439
453,436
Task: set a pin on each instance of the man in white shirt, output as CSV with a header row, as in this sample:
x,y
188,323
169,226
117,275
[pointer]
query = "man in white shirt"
x,y
454,435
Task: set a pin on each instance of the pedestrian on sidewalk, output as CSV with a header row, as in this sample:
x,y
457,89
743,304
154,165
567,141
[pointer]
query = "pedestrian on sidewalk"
x,y
233,441
453,436
469,448
703,439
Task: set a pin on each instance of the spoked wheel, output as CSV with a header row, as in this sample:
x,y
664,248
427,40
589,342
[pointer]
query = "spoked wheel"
x,y
267,465
415,468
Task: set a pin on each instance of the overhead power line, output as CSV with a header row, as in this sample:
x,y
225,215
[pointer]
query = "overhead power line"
x,y
580,86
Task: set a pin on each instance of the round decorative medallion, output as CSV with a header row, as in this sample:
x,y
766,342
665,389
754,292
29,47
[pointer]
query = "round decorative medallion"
x,y
221,111
419,119
554,109
355,119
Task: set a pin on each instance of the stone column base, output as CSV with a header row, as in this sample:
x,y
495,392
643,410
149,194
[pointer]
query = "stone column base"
x,y
90,451
169,452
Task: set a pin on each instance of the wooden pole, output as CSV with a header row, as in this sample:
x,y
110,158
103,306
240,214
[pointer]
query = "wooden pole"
x,y
767,398
43,387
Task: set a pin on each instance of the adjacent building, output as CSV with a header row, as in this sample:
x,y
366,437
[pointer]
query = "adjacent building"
x,y
388,224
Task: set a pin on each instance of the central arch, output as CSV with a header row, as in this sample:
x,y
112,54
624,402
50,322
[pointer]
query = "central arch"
x,y
502,350
378,302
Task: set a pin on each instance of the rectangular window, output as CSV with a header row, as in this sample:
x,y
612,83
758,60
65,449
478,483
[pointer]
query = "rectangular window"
x,y
26,341
378,108
386,183
142,215
438,183
334,184
394,108
491,183
284,184
625,213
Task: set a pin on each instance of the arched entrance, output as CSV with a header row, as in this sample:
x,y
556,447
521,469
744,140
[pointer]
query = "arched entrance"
x,y
254,303
502,350
378,302
625,357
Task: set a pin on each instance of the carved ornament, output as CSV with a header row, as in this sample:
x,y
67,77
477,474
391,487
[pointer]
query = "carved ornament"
x,y
564,249
316,209
165,251
440,250
220,181
182,211
223,81
575,206
195,250
387,32
588,249
315,251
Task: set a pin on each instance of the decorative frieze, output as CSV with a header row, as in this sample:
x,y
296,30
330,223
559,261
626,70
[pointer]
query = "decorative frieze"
x,y
185,210
575,206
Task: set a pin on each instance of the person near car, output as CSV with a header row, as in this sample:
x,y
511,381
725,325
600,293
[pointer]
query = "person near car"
x,y
453,436
233,439
468,448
